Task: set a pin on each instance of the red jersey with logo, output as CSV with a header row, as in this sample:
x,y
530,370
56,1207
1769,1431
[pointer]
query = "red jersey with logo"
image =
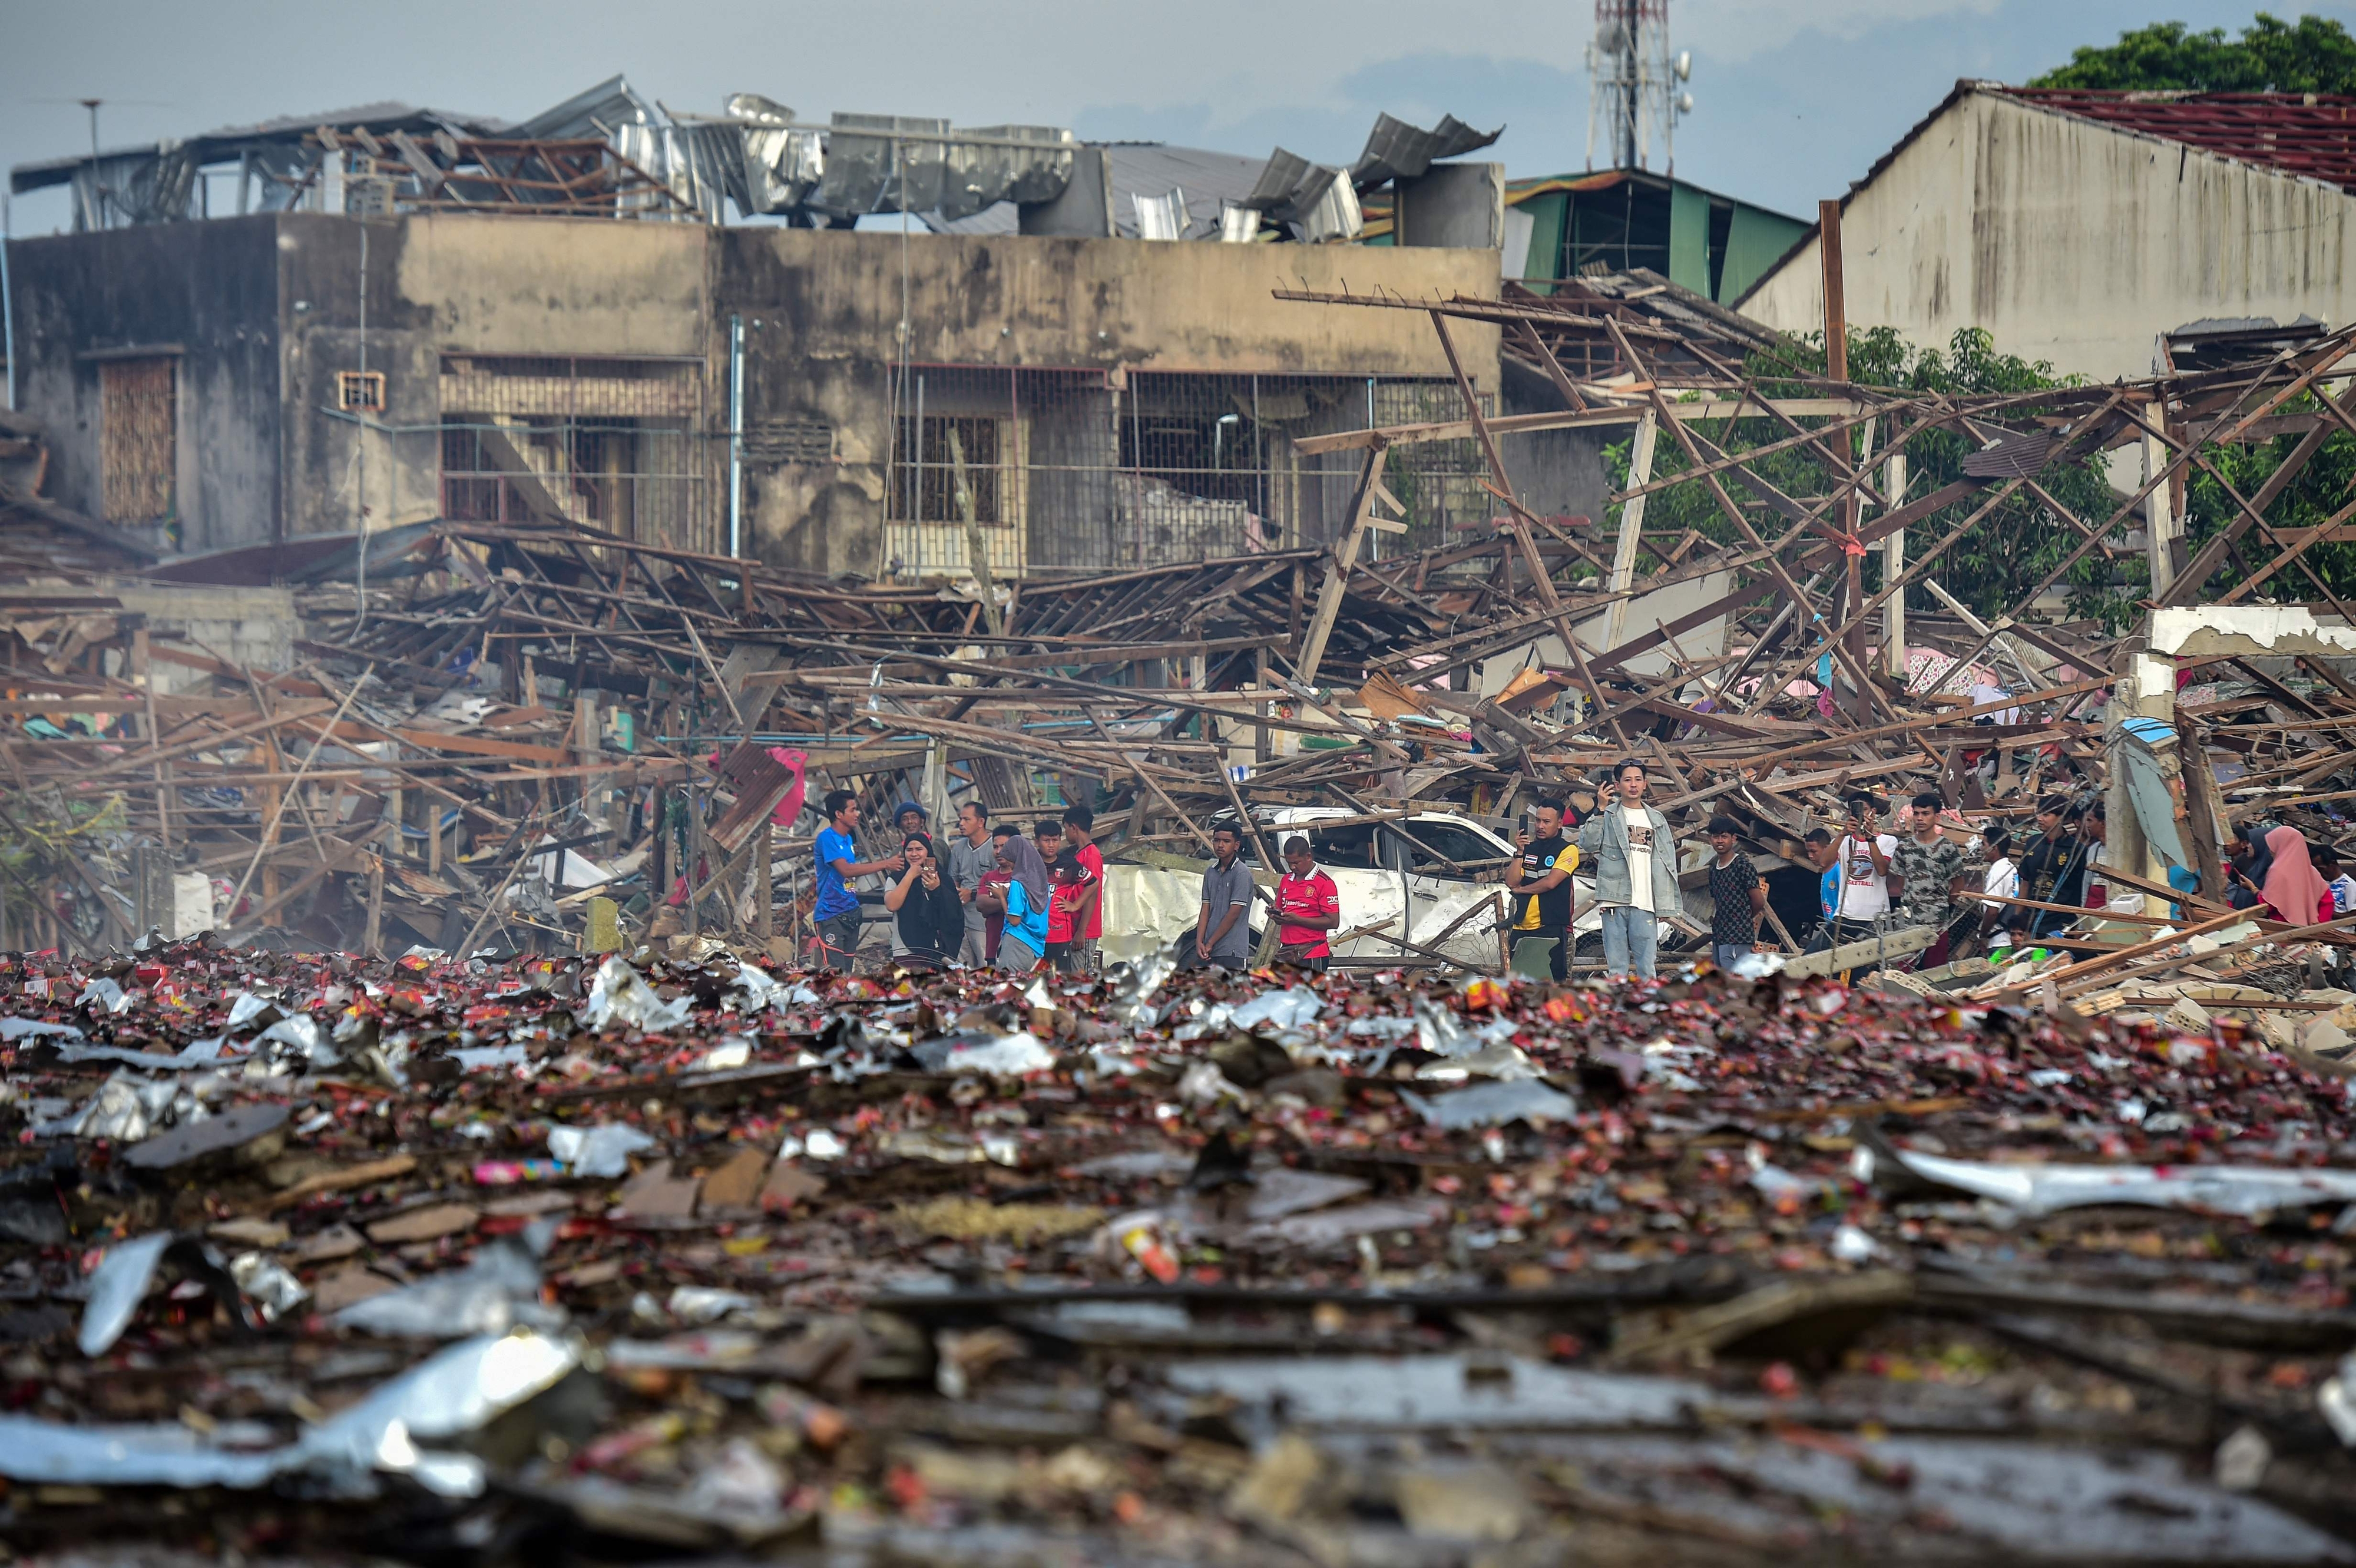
x,y
1311,895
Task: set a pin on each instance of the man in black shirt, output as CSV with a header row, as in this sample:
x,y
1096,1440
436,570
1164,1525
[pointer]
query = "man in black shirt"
x,y
1737,895
2070,872
2040,863
1541,880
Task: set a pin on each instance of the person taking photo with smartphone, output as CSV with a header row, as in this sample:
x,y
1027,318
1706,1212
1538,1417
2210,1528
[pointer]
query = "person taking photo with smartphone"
x,y
1635,862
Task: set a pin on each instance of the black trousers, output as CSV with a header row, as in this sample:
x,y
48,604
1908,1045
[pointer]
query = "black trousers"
x,y
838,938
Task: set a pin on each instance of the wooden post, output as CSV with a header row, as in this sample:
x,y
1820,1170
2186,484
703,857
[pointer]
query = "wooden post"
x,y
976,543
372,938
142,671
2162,524
1260,745
1893,566
1337,572
1632,530
1829,247
698,855
659,859
765,838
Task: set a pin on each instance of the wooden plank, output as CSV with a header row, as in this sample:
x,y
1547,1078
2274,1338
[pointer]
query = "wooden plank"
x,y
482,745
1337,574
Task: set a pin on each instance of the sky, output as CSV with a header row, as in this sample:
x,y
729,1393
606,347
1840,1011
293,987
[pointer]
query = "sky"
x,y
1793,99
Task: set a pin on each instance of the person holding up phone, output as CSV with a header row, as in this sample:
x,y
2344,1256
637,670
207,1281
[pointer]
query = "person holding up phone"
x,y
1541,879
1635,871
1863,858
929,916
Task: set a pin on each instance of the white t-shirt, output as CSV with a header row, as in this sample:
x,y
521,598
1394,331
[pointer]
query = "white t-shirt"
x,y
1864,893
1639,823
2003,878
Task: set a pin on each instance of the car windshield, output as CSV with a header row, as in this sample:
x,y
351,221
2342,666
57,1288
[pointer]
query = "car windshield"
x,y
1439,843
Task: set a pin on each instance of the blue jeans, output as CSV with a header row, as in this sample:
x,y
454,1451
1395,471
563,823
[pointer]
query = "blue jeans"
x,y
1630,940
1724,954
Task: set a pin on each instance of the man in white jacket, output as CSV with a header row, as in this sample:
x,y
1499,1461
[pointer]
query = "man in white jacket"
x,y
1635,864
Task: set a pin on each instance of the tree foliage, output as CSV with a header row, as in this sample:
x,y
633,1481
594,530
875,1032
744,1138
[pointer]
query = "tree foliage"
x,y
2313,496
2313,54
1994,567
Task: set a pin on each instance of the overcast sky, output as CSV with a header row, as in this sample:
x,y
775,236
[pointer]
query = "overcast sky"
x,y
1794,98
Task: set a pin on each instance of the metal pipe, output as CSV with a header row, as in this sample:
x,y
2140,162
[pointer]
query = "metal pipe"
x,y
735,435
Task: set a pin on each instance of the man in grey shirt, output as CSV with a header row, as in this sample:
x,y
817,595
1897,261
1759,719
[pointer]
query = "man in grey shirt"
x,y
1223,931
971,851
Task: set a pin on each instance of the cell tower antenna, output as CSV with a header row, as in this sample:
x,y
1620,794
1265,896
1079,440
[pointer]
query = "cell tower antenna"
x,y
1635,86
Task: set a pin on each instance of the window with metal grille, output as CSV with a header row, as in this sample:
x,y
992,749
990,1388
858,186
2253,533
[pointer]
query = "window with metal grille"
x,y
617,443
359,392
138,444
789,441
1090,471
932,456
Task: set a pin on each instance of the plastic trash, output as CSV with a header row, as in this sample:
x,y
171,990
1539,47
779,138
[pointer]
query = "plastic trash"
x,y
2245,1190
597,1151
500,1288
1493,1104
116,1288
620,994
1002,1056
1288,1009
267,1285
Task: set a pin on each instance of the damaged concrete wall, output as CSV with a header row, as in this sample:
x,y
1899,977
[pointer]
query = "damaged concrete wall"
x,y
204,295
1556,473
264,313
520,290
2069,241
822,309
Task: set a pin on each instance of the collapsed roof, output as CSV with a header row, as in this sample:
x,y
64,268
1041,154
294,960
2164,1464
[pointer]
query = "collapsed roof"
x,y
610,151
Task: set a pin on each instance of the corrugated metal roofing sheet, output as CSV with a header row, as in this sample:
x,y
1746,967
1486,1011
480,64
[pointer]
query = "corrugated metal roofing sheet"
x,y
2306,134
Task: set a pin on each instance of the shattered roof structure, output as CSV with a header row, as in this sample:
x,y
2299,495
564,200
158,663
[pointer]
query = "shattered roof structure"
x,y
757,156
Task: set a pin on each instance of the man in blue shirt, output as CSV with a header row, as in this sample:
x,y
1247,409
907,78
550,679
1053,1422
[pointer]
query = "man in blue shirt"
x,y
838,914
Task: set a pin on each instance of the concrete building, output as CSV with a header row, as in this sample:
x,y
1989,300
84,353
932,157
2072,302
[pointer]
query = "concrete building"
x,y
1101,402
2080,226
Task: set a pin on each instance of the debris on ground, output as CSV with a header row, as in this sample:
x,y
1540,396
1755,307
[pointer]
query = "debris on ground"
x,y
1375,1267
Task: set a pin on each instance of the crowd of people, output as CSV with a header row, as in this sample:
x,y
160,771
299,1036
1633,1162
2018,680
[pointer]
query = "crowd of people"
x,y
989,894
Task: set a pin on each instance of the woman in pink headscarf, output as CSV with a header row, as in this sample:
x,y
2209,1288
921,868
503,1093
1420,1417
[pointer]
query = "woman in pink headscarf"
x,y
2296,891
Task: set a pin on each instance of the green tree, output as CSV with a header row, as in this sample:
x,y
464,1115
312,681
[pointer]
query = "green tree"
x,y
1991,568
2314,496
2313,54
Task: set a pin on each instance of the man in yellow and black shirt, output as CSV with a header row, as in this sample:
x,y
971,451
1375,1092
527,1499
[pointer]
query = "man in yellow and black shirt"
x,y
1541,882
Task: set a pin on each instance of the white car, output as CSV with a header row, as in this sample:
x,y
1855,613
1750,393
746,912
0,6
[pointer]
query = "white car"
x,y
1411,878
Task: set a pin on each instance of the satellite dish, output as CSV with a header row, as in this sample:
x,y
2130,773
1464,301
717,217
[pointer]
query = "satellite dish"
x,y
1685,102
1685,65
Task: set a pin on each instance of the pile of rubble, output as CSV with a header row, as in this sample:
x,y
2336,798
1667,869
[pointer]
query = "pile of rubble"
x,y
546,739
490,1259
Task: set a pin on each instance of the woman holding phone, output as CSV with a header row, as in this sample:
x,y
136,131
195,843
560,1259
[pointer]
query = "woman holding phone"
x,y
925,902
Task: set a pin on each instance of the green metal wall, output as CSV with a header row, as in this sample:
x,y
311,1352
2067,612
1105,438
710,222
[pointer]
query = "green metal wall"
x,y
1756,241
1690,239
